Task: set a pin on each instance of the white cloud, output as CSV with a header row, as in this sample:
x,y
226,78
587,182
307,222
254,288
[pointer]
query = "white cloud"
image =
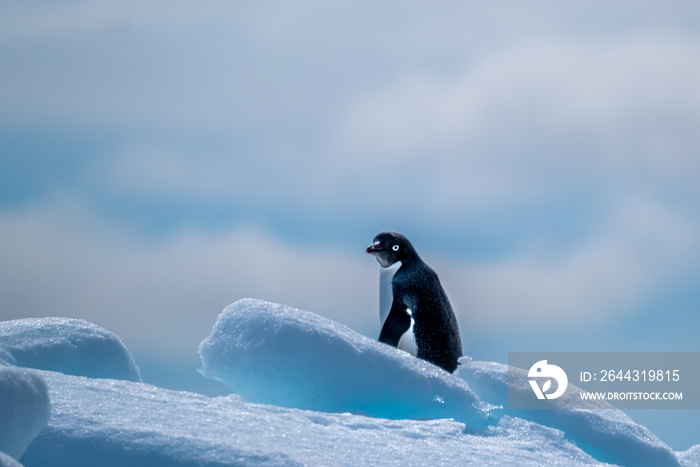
x,y
164,297
535,120
567,107
333,112
355,107
643,250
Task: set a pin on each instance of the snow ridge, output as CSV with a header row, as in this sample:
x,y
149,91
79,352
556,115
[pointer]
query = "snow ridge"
x,y
24,409
309,392
608,434
279,355
70,346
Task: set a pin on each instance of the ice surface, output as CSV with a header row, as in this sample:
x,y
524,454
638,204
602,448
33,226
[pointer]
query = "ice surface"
x,y
607,434
279,355
24,409
117,423
691,457
284,353
7,461
70,346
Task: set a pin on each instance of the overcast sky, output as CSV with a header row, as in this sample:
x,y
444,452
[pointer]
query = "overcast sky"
x,y
160,160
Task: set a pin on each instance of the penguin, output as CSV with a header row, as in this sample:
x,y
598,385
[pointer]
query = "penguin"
x,y
414,311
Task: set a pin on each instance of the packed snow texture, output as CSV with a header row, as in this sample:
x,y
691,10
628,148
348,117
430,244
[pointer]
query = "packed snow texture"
x,y
608,434
691,456
113,422
117,423
279,355
70,346
7,461
24,409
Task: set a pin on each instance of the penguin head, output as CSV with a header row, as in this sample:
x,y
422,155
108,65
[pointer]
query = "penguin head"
x,y
390,247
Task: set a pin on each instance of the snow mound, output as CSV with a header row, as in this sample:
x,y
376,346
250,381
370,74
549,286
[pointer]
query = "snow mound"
x,y
608,434
283,352
24,409
69,346
691,457
7,461
279,355
117,423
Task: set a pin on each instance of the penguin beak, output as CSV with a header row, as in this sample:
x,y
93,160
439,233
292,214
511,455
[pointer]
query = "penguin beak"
x,y
373,249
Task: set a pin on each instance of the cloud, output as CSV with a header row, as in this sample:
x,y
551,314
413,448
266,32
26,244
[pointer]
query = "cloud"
x,y
538,100
317,110
534,121
641,253
61,260
163,298
537,121
563,139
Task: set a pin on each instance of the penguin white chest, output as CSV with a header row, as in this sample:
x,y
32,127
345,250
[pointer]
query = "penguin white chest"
x,y
386,293
407,343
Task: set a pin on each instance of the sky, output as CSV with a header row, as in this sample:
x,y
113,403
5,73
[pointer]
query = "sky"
x,y
161,160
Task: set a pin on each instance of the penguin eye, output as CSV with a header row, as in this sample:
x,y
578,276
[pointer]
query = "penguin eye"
x,y
395,248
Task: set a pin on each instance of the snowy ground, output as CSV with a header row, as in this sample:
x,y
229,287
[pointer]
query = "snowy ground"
x,y
316,393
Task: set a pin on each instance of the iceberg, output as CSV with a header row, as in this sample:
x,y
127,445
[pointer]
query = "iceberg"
x,y
24,409
279,355
70,346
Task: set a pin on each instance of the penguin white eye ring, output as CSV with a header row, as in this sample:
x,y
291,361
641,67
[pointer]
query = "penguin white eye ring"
x,y
395,248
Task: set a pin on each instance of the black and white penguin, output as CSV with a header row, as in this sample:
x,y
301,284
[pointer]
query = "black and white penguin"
x,y
414,311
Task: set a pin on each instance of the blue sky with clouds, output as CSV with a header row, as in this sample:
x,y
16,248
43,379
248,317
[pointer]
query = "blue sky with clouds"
x,y
160,160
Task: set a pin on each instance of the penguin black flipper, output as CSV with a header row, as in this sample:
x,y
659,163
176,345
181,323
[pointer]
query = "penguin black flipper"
x,y
397,323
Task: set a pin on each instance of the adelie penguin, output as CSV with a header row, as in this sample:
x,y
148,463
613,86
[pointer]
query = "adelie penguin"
x,y
414,311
